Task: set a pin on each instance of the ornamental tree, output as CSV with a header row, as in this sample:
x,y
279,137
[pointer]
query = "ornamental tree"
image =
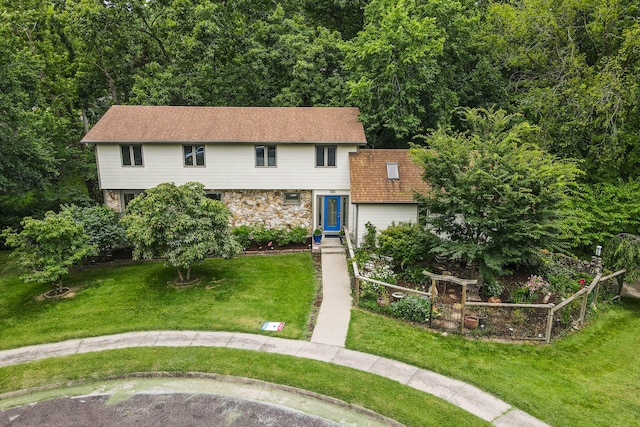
x,y
180,224
496,196
46,248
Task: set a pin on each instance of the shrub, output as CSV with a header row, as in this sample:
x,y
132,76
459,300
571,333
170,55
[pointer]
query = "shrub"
x,y
412,308
413,274
369,291
101,224
258,234
369,239
407,243
243,235
492,288
298,234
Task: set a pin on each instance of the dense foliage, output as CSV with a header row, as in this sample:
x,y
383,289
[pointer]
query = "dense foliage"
x,y
261,236
497,197
101,224
407,243
570,68
180,224
46,249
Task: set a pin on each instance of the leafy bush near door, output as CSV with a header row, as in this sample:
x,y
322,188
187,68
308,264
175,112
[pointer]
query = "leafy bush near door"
x,y
259,235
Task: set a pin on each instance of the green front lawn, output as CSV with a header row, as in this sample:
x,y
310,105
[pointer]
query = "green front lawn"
x,y
235,295
589,378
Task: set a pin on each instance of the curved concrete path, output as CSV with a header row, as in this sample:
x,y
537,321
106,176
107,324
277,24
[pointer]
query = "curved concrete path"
x,y
463,395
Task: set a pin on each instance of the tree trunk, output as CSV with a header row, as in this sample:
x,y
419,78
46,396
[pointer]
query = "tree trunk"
x,y
188,273
180,274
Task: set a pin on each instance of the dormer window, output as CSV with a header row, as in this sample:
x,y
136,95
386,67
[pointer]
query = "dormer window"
x,y
392,171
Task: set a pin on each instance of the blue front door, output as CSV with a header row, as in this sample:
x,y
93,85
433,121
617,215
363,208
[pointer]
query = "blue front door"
x,y
332,220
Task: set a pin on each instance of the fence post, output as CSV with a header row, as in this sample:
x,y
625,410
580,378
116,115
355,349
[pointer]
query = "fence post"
x,y
433,300
462,309
549,323
357,290
595,296
583,309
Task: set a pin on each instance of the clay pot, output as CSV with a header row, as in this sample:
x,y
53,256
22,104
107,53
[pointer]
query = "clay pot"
x,y
494,300
471,322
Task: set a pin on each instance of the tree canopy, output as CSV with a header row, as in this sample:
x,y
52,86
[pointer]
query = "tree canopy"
x,y
45,249
496,197
180,224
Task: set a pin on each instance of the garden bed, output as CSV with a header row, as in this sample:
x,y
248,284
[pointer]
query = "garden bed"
x,y
523,308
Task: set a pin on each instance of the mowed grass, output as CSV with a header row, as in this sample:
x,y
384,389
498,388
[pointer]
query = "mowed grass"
x,y
591,378
235,295
384,396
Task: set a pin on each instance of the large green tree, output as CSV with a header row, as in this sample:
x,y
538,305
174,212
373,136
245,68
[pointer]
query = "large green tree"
x,y
180,224
391,63
495,195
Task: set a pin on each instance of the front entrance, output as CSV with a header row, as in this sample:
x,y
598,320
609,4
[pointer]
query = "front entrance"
x,y
332,214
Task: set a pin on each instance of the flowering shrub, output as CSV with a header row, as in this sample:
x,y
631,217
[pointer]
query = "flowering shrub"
x,y
380,272
537,284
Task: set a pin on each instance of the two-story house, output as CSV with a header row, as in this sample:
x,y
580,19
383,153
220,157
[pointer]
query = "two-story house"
x,y
277,166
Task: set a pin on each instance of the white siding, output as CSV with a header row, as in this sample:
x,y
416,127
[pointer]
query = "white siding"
x,y
382,215
227,167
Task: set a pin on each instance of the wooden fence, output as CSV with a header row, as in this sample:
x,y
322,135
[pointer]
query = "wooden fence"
x,y
516,321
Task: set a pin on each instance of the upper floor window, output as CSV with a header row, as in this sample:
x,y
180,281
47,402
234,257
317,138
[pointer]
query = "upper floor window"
x,y
265,155
326,155
193,155
131,155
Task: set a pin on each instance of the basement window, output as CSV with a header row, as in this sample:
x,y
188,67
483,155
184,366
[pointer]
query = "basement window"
x,y
291,198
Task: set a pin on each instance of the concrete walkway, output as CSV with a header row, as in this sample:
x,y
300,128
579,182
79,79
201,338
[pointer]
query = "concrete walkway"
x,y
333,319
463,395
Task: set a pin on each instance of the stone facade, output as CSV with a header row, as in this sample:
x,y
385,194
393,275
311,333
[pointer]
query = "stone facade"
x,y
112,199
250,207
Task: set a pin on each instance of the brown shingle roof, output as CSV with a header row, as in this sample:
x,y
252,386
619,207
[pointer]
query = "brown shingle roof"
x,y
228,124
369,182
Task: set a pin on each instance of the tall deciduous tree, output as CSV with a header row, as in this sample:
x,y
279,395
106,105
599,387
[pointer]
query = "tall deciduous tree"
x,y
46,249
180,224
391,62
495,195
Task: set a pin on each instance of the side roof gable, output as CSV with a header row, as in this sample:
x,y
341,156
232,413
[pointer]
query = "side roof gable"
x,y
143,124
370,182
